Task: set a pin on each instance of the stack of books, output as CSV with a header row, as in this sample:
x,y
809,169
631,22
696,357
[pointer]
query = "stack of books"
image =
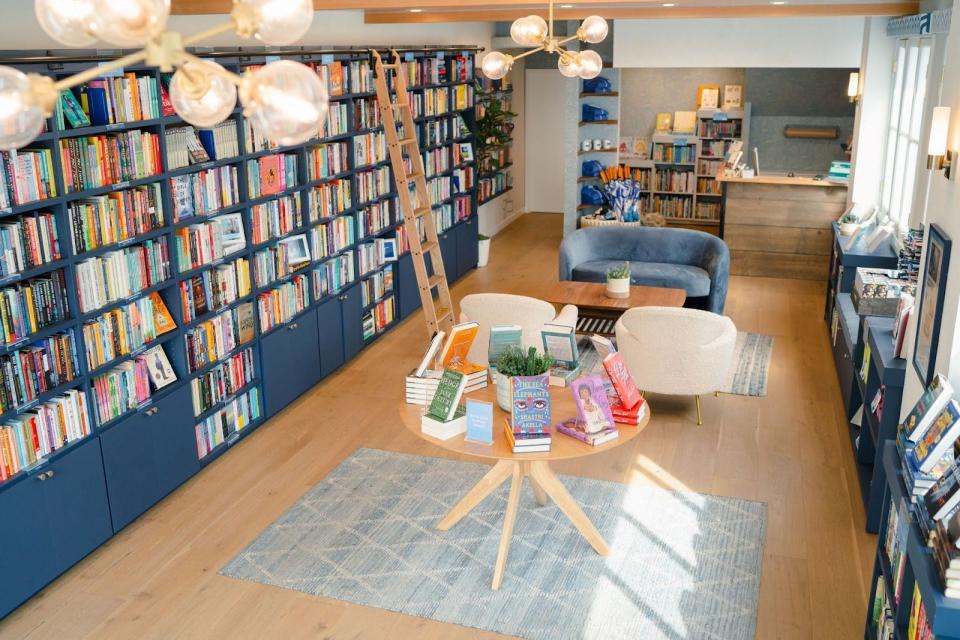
x,y
839,171
926,436
455,351
446,417
528,428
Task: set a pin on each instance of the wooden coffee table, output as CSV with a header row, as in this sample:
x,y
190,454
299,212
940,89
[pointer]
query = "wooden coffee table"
x,y
598,313
535,467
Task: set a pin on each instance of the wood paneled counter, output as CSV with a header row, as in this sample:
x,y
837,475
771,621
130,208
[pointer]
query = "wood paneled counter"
x,y
779,226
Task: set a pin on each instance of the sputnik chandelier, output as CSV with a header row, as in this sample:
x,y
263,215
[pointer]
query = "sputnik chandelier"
x,y
534,31
285,100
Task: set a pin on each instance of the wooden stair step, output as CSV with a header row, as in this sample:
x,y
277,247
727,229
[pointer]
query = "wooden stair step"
x,y
428,246
435,281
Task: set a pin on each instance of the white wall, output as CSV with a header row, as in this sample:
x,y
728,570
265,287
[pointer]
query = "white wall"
x,y
545,97
942,206
753,42
19,30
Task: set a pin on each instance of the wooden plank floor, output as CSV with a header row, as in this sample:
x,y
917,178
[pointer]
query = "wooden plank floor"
x,y
158,578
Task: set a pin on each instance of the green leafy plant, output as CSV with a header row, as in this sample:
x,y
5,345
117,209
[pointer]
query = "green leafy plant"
x,y
848,218
514,361
619,272
494,128
482,237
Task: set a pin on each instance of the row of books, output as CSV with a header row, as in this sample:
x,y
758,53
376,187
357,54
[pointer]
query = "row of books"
x,y
121,390
31,437
379,317
216,429
211,340
430,102
333,275
200,244
708,185
435,132
461,179
366,114
184,147
120,274
329,199
425,71
373,184
26,176
32,305
115,217
203,192
677,154
275,218
279,305
126,329
271,174
491,185
278,260
37,369
112,100
221,382
435,161
374,218
369,148
27,242
373,255
326,160
221,141
707,167
446,215
338,119
718,129
707,211
463,152
376,285
214,289
673,180
672,206
97,161
715,148
329,238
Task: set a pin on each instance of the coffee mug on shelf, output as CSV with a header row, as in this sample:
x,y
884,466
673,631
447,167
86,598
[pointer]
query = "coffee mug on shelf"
x,y
587,145
608,144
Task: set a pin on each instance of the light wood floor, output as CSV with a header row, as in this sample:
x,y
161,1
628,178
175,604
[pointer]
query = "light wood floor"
x,y
158,578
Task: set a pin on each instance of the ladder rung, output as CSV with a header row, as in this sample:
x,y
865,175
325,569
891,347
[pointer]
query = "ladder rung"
x,y
390,65
428,246
410,141
400,105
422,211
412,177
435,281
442,313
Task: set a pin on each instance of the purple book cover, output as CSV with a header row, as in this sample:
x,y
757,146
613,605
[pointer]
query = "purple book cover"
x,y
592,403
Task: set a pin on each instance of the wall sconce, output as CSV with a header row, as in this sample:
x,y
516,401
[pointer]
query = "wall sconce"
x,y
938,156
853,86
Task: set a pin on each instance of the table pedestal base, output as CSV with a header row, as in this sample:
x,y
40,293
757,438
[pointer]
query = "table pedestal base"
x,y
544,483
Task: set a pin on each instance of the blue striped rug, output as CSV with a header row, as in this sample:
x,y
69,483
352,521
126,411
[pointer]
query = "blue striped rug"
x,y
682,565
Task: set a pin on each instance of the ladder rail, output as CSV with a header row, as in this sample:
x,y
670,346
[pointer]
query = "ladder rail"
x,y
438,310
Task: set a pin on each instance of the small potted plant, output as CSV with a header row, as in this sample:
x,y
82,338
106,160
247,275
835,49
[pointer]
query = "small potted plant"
x,y
514,361
848,224
483,256
618,281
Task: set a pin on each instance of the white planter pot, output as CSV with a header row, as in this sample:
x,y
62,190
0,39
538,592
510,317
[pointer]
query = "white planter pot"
x,y
503,390
618,287
483,255
848,228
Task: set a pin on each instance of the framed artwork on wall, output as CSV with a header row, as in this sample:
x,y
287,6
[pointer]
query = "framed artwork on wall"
x,y
932,291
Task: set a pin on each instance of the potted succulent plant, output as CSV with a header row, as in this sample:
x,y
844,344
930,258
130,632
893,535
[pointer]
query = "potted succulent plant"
x,y
514,361
483,255
618,281
848,224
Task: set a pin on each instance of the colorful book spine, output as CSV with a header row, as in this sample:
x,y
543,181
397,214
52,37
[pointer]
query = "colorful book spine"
x,y
119,332
329,199
376,286
204,192
27,242
27,176
43,366
120,274
221,382
211,340
30,437
120,390
280,305
327,160
114,217
333,275
373,184
369,148
332,237
216,429
214,289
32,305
98,161
366,114
275,218
375,218
270,175
273,263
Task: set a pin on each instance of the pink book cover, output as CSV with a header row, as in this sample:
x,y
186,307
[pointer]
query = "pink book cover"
x,y
593,406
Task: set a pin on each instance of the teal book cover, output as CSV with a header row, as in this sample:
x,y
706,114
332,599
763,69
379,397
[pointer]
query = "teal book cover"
x,y
501,337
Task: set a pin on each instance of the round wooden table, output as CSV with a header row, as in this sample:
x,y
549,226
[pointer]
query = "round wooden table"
x,y
517,466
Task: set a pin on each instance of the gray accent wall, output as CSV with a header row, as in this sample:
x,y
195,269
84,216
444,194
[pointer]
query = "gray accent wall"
x,y
778,97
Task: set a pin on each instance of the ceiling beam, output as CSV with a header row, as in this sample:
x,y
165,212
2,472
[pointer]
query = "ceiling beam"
x,y
374,16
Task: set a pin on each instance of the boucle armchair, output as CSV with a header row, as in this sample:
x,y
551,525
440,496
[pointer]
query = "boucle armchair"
x,y
490,309
676,351
694,261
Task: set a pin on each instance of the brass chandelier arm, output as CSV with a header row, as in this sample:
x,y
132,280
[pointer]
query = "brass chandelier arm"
x,y
529,52
228,75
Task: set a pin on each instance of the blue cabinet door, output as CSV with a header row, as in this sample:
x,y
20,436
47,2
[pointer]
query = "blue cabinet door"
x,y
352,307
172,427
468,248
76,502
26,562
291,362
330,335
448,247
130,467
408,291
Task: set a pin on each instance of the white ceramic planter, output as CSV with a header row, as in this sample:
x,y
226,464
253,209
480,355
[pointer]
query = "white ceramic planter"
x,y
503,390
848,228
483,255
618,287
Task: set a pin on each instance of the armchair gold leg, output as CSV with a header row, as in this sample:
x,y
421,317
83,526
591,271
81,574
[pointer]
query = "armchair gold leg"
x,y
716,394
699,414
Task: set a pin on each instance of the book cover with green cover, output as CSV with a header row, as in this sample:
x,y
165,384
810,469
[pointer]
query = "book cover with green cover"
x,y
447,397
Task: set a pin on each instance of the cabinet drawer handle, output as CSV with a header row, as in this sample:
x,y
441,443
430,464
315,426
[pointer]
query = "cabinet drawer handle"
x,y
344,297
152,411
46,475
292,327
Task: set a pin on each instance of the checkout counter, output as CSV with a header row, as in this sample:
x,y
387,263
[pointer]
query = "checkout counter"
x,y
779,226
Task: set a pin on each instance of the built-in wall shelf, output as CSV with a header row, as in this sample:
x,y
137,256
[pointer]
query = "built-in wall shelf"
x,y
609,94
584,123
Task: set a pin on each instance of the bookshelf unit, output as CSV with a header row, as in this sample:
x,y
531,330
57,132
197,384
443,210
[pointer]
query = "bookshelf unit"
x,y
494,161
910,569
716,130
599,131
306,318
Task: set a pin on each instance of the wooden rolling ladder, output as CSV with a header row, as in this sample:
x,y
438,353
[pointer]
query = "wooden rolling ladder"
x,y
417,206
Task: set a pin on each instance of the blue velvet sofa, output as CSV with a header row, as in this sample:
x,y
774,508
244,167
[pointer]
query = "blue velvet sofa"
x,y
659,257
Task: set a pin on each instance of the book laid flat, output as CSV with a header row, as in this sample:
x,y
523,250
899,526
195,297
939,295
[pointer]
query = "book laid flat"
x,y
939,438
574,428
521,444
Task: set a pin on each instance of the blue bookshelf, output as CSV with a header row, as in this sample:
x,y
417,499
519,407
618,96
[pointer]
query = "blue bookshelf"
x,y
919,568
78,497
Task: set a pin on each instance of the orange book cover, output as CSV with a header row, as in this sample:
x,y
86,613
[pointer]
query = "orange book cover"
x,y
336,79
270,175
162,320
458,345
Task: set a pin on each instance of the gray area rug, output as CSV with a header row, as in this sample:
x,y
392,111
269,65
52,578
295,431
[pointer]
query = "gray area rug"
x,y
682,565
748,371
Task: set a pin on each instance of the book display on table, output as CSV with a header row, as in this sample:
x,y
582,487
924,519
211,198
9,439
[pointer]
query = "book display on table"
x,y
455,355
560,343
201,276
446,416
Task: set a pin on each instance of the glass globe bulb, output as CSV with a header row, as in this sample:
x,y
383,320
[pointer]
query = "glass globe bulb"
x,y
285,101
21,118
529,31
281,21
201,96
591,64
129,23
569,64
594,29
66,21
496,65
